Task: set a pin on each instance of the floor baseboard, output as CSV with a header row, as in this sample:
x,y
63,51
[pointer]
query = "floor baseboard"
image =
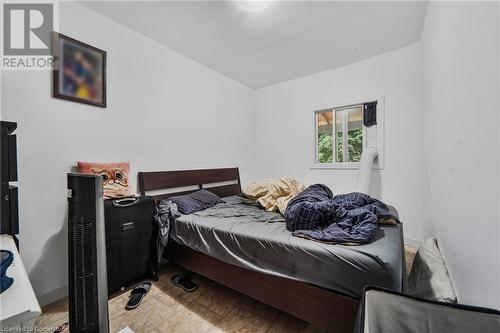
x,y
52,296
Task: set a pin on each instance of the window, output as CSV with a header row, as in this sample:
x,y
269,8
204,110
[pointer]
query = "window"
x,y
340,135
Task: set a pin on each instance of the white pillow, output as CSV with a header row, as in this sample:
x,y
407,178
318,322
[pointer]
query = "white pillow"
x,y
429,277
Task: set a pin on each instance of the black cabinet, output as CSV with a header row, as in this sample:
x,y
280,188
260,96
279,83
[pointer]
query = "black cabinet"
x,y
8,173
131,235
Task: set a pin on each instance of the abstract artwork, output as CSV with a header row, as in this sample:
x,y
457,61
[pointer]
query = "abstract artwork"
x,y
79,71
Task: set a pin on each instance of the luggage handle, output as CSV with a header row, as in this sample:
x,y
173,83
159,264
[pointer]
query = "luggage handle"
x,y
126,202
128,226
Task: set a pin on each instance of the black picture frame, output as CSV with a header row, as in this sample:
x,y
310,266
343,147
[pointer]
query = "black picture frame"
x,y
59,63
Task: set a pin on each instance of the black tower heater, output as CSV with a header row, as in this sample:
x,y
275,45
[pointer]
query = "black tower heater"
x,y
88,290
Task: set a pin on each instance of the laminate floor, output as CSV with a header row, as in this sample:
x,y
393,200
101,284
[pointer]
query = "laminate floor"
x,y
212,308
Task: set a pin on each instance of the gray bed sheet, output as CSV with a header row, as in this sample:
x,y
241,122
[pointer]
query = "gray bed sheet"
x,y
243,237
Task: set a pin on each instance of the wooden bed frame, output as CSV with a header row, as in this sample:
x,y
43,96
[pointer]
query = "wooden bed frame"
x,y
325,308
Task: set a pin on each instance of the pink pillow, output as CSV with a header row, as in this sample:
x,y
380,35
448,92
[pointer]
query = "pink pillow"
x,y
115,182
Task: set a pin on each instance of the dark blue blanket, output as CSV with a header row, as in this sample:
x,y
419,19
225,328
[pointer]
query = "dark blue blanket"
x,y
345,218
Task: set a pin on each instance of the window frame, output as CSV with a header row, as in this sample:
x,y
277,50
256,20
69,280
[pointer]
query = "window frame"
x,y
376,134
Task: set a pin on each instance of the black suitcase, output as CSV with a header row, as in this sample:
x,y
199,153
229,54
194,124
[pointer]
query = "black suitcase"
x,y
131,235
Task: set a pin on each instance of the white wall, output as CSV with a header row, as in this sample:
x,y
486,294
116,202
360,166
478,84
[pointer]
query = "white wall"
x,y
285,128
461,126
164,112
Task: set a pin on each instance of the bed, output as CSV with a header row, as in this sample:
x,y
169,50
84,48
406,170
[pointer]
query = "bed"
x,y
317,282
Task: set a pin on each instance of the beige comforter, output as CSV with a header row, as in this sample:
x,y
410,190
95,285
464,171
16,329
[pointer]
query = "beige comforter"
x,y
273,194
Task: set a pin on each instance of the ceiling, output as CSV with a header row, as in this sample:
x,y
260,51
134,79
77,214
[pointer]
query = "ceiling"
x,y
286,40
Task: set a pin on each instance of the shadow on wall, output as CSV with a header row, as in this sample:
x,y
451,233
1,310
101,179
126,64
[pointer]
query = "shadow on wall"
x,y
376,185
52,264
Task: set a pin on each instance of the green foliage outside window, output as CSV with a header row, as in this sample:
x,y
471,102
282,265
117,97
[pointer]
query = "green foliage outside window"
x,y
340,147
325,148
355,146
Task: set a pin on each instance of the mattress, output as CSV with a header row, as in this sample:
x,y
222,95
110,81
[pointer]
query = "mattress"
x,y
254,239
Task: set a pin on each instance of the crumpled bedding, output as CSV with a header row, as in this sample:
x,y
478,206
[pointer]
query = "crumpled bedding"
x,y
273,194
248,212
346,218
166,213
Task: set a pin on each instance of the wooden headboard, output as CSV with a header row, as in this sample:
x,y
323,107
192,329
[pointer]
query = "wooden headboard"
x,y
228,179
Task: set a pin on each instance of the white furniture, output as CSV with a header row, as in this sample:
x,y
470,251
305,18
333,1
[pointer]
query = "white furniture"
x,y
18,304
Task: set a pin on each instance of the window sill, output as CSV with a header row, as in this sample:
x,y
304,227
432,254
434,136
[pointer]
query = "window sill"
x,y
341,166
335,166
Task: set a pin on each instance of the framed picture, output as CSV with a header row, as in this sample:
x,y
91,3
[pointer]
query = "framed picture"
x,y
79,73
